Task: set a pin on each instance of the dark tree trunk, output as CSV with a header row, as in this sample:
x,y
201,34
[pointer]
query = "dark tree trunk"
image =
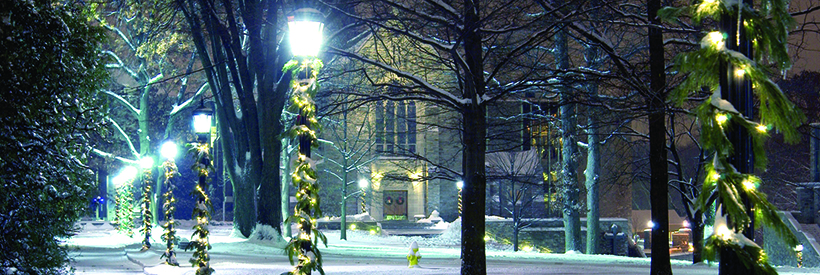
x,y
473,259
658,166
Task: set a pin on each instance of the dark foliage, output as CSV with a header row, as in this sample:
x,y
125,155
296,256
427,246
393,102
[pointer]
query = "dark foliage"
x,y
50,71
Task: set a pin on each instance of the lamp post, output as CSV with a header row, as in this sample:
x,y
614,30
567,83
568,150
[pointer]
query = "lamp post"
x,y
146,163
124,184
169,152
199,241
305,35
459,185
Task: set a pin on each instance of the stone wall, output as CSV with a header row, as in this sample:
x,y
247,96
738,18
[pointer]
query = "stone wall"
x,y
781,254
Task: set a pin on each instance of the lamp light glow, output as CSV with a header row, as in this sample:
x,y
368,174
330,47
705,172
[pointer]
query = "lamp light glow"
x,y
305,32
362,183
460,184
146,162
168,150
202,119
126,174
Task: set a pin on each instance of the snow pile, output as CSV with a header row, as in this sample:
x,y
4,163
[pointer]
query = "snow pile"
x,y
453,232
433,218
267,234
363,217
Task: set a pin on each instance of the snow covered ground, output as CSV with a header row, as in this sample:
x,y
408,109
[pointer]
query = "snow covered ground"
x,y
99,249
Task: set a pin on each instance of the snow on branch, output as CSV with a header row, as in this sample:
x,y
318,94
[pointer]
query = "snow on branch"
x,y
127,139
438,92
109,155
120,65
177,108
123,101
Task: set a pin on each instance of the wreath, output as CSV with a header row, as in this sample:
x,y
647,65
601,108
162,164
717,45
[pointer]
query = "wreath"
x,y
388,200
400,201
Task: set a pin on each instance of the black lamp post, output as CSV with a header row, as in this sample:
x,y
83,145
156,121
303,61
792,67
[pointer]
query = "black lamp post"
x,y
199,241
305,35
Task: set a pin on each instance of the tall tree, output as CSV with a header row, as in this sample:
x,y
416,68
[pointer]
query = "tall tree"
x,y
240,47
659,178
51,74
474,43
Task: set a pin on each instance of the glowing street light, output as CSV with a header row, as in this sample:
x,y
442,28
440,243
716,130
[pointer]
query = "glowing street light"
x,y
146,162
168,150
126,174
202,122
305,30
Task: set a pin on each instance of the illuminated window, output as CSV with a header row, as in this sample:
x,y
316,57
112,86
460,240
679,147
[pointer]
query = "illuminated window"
x,y
395,126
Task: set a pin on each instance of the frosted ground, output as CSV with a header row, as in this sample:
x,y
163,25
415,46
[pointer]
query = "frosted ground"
x,y
99,249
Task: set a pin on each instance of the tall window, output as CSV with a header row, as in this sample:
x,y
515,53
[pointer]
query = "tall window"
x,y
395,126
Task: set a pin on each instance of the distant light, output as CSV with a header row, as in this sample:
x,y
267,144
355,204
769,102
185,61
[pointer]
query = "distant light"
x,y
487,238
146,162
372,231
685,224
169,150
362,183
353,226
460,184
761,128
527,249
650,224
798,248
715,176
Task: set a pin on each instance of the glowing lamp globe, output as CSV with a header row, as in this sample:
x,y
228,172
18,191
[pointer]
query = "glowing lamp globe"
x,y
305,32
146,162
460,184
168,150
128,173
362,183
202,119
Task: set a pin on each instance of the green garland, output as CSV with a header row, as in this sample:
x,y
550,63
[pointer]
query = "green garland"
x,y
767,28
146,209
169,235
305,246
201,213
125,206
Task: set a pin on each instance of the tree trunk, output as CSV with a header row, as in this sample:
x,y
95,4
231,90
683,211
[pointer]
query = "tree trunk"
x,y
474,133
268,210
591,176
569,165
658,166
697,241
244,211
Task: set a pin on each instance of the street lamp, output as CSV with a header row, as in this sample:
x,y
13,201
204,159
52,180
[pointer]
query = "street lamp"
x,y
169,151
202,122
305,35
305,32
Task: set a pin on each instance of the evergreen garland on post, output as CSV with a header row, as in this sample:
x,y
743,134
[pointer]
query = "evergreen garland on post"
x,y
305,245
201,213
125,206
147,216
169,206
767,29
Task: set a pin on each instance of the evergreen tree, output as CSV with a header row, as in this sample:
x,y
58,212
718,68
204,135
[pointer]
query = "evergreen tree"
x,y
50,72
727,184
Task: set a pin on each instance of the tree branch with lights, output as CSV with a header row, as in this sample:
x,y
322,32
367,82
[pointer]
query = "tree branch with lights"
x,y
736,193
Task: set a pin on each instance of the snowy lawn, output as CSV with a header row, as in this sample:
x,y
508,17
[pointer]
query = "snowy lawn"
x,y
102,250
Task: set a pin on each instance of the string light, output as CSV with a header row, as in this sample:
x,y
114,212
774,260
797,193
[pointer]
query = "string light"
x,y
748,185
762,128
